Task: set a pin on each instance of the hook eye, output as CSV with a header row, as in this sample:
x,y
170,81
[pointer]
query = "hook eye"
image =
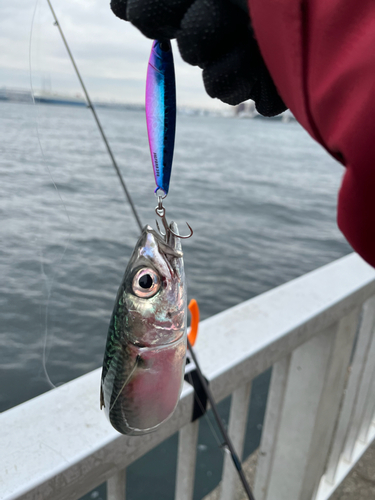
x,y
160,211
159,192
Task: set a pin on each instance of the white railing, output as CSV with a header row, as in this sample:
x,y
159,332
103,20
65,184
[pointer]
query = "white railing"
x,y
320,408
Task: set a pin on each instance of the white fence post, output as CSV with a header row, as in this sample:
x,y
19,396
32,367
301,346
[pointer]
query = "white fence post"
x,y
364,392
187,454
271,424
329,404
351,393
237,429
116,486
313,392
368,413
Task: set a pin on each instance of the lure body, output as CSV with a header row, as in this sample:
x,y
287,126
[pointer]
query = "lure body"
x,y
144,359
161,111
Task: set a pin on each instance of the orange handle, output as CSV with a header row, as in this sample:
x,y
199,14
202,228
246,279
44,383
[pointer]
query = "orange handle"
x,y
194,311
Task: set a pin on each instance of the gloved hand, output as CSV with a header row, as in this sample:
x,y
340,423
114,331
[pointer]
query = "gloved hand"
x,y
215,35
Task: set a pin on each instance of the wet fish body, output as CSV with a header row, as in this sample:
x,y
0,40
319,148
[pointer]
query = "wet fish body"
x,y
144,360
161,111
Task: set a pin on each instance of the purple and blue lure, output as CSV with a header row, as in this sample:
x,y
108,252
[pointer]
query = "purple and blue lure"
x,y
161,112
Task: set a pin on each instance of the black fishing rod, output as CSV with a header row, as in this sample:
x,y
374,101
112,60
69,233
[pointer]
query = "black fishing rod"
x,y
90,105
228,441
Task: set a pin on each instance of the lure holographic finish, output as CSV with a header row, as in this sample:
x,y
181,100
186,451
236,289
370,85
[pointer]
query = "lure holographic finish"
x,y
161,111
144,359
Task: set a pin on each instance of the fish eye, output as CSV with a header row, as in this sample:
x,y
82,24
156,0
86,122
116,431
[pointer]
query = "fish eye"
x,y
146,283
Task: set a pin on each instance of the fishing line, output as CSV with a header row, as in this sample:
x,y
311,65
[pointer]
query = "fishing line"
x,y
205,414
36,121
96,118
49,286
228,441
223,447
202,390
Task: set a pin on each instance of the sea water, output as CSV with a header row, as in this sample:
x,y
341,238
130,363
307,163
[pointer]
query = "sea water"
x,y
259,194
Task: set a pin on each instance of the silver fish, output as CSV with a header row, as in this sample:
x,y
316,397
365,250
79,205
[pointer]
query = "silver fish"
x,y
144,360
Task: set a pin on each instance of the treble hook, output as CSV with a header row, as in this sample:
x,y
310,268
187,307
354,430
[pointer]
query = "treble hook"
x,y
160,212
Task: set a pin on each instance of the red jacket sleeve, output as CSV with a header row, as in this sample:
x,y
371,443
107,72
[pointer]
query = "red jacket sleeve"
x,y
321,55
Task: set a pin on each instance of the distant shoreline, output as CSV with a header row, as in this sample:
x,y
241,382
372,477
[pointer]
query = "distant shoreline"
x,y
26,97
244,110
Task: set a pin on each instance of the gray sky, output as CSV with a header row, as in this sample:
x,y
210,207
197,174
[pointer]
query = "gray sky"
x,y
111,54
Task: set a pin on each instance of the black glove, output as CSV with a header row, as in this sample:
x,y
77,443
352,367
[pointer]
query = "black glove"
x,y
215,35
